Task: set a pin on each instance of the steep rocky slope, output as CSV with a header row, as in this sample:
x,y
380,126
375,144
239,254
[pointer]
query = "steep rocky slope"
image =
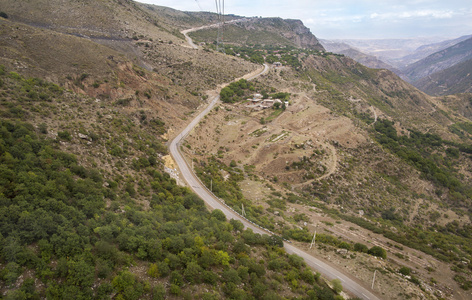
x,y
426,50
453,80
143,35
439,61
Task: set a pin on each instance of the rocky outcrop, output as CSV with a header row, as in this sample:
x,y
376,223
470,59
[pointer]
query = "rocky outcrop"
x,y
293,31
302,36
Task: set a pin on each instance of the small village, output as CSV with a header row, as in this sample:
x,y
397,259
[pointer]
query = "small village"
x,y
258,103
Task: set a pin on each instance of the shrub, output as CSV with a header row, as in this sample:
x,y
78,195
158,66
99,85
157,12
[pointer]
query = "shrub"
x,y
43,128
345,245
378,251
159,292
358,247
405,271
210,277
337,286
415,280
64,135
175,289
153,271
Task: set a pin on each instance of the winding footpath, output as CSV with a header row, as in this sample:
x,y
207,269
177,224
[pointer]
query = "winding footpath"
x,y
328,271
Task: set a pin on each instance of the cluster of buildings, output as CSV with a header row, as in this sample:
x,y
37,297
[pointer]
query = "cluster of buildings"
x,y
258,103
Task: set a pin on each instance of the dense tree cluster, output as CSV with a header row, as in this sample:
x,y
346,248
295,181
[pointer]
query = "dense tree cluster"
x,y
236,91
49,201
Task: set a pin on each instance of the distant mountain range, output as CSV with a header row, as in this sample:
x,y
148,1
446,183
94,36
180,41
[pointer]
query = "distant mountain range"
x,y
426,50
439,61
438,68
364,58
389,50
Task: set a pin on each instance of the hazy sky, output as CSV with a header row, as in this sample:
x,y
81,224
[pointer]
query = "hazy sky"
x,y
331,19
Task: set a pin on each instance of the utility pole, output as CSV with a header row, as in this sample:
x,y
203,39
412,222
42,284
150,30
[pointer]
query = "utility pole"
x,y
313,241
211,185
243,212
373,280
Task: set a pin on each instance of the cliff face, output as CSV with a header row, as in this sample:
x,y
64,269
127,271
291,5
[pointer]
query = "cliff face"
x,y
302,36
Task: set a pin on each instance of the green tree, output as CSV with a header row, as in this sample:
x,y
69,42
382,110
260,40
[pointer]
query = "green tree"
x,y
153,271
219,215
80,273
126,284
231,275
222,258
337,286
259,289
308,276
237,225
159,292
226,95
176,278
192,272
210,277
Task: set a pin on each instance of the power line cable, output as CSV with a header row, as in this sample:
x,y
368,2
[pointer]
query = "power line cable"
x,y
199,6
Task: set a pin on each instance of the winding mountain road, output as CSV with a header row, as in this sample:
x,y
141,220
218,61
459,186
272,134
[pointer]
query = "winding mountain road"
x,y
329,271
187,31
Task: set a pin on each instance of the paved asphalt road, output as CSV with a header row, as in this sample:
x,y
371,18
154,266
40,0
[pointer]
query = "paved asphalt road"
x,y
328,271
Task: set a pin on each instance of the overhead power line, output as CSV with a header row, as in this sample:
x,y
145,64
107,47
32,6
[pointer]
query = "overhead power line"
x,y
199,6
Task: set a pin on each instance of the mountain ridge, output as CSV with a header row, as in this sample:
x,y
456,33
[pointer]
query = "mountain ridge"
x,y
453,80
425,50
441,60
359,56
265,31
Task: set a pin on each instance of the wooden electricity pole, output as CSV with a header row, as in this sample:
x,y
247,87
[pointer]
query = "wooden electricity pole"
x,y
313,241
373,280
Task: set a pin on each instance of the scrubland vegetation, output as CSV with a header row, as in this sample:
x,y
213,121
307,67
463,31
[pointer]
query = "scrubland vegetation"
x,y
78,231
